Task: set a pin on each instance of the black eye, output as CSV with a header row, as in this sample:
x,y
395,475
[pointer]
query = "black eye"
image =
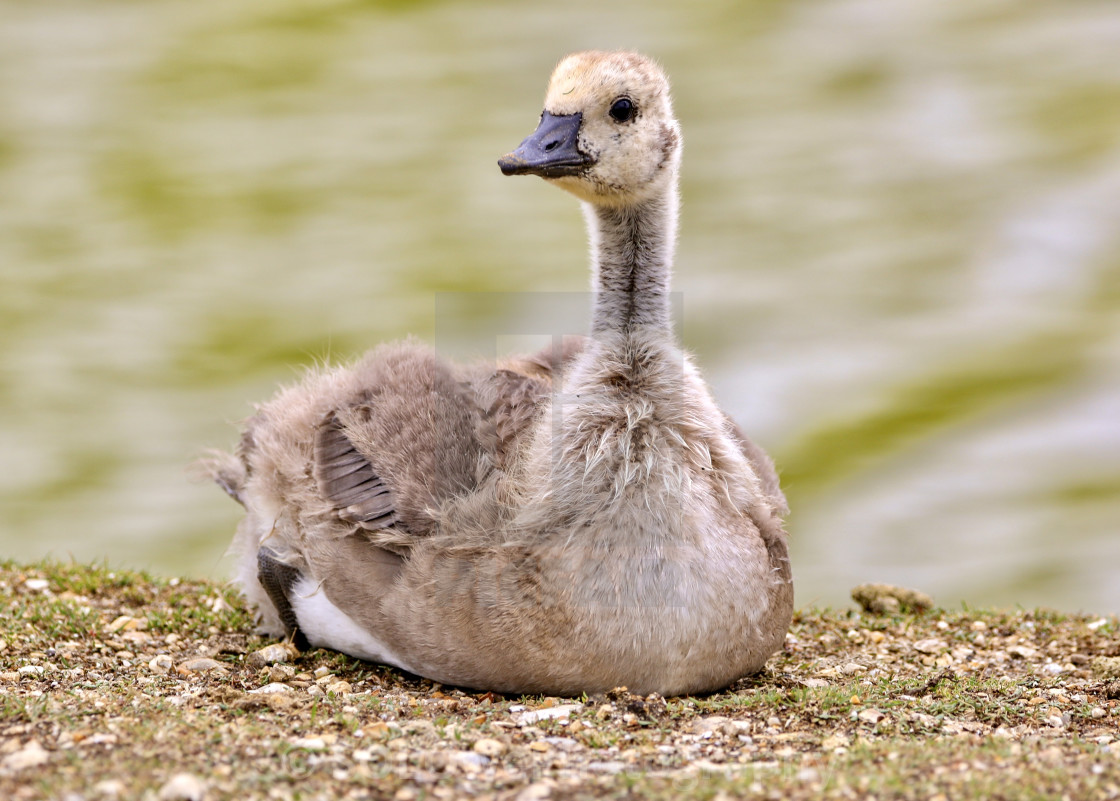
x,y
622,110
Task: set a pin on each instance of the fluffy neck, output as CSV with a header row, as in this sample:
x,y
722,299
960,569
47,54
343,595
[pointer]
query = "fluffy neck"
x,y
632,256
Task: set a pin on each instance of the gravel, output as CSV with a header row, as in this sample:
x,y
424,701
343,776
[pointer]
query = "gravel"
x,y
120,685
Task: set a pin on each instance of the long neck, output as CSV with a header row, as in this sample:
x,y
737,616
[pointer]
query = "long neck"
x,y
632,258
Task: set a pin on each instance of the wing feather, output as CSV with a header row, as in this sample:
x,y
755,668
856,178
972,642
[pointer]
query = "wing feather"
x,y
347,479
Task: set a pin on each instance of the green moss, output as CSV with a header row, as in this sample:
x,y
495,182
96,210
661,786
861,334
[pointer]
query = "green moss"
x,y
169,605
83,579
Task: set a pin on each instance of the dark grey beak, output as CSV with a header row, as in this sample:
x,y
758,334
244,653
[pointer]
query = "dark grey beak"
x,y
551,151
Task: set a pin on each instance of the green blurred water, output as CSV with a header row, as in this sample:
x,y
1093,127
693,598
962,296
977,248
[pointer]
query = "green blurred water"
x,y
899,260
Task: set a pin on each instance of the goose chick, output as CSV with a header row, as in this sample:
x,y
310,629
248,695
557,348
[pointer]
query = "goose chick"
x,y
520,528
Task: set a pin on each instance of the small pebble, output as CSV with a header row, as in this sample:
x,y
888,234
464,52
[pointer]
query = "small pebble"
x,y
197,665
31,755
549,713
274,687
562,743
183,787
469,760
123,623
887,599
709,723
1056,720
537,791
273,654
871,716
930,646
309,743
281,673
606,767
490,747
110,788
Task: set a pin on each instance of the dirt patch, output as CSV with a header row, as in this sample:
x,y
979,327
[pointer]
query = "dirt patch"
x,y
115,684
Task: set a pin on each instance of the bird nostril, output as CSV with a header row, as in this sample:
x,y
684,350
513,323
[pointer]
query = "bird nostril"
x,y
551,146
